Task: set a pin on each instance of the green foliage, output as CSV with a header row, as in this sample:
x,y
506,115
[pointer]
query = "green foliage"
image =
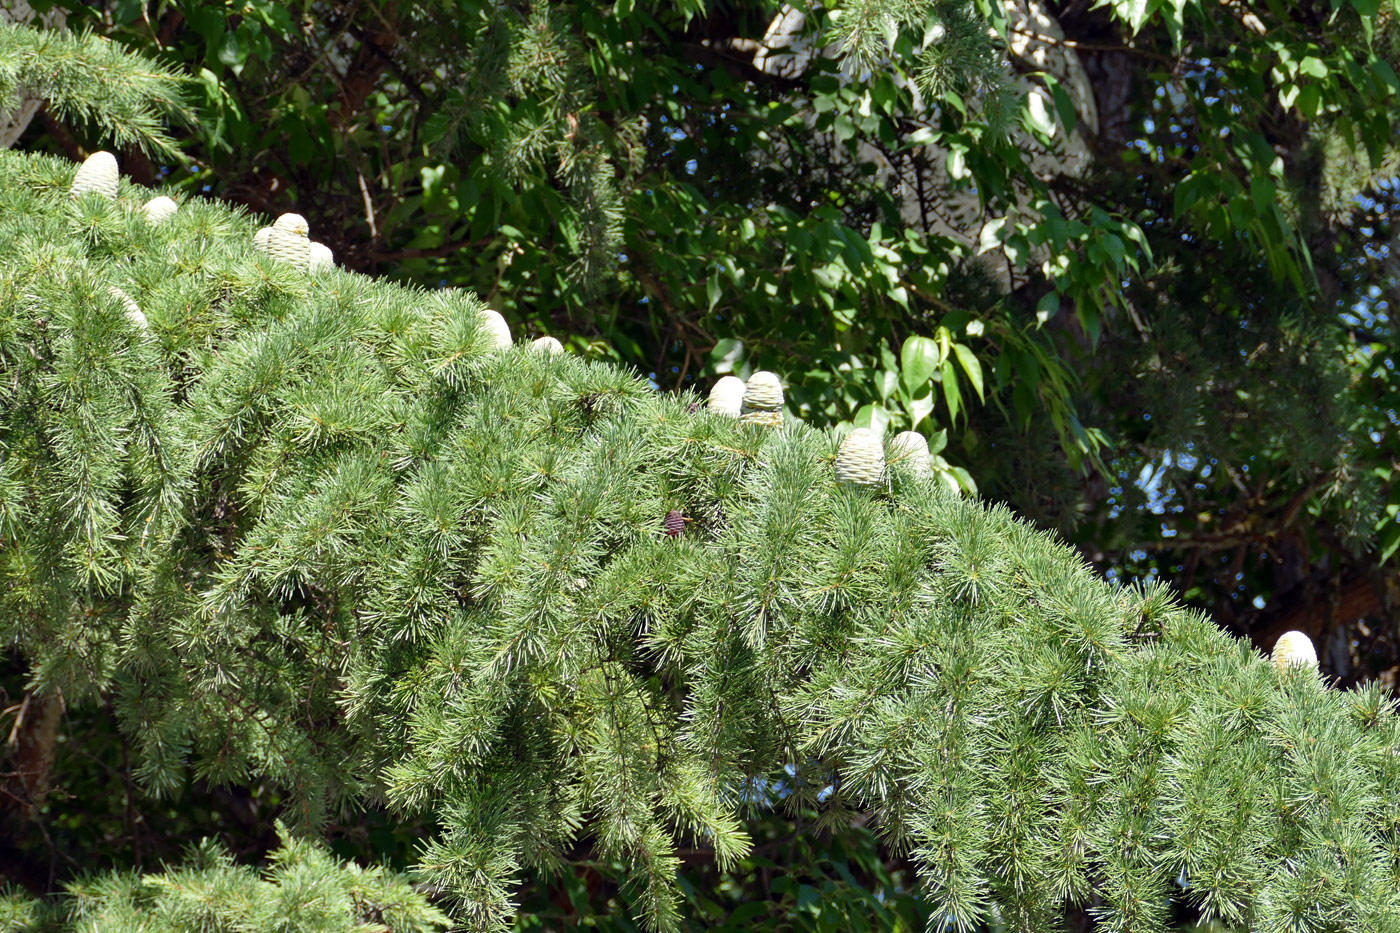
x,y
385,560
93,81
302,890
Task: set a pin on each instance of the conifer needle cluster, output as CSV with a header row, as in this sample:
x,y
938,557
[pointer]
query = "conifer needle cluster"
x,y
336,535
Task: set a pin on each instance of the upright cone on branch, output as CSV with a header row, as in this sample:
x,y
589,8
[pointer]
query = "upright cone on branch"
x,y
160,208
727,396
547,346
288,241
1294,649
97,175
320,257
133,310
909,451
861,459
498,331
763,400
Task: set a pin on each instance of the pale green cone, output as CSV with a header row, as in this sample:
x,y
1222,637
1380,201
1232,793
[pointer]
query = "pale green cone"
x,y
160,208
133,310
320,257
763,392
1294,649
497,329
547,346
861,458
727,396
97,175
288,241
909,451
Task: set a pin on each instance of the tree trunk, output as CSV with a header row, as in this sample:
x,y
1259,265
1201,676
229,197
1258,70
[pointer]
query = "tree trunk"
x,y
31,750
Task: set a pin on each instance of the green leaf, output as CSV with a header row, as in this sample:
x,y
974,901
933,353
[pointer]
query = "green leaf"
x,y
919,359
232,51
1382,67
1064,106
972,366
622,8
872,416
1309,100
1315,67
1389,540
920,407
1037,113
964,479
950,389
991,236
727,353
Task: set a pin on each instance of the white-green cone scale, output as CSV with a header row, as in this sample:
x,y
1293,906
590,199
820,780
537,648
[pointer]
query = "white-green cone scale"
x,y
288,241
97,175
260,239
727,397
160,208
861,458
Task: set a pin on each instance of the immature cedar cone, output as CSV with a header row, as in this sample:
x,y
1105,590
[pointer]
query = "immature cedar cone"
x,y
133,310
288,241
160,208
260,239
861,458
763,392
547,346
97,175
497,330
763,401
727,396
1294,649
320,257
909,450
675,523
